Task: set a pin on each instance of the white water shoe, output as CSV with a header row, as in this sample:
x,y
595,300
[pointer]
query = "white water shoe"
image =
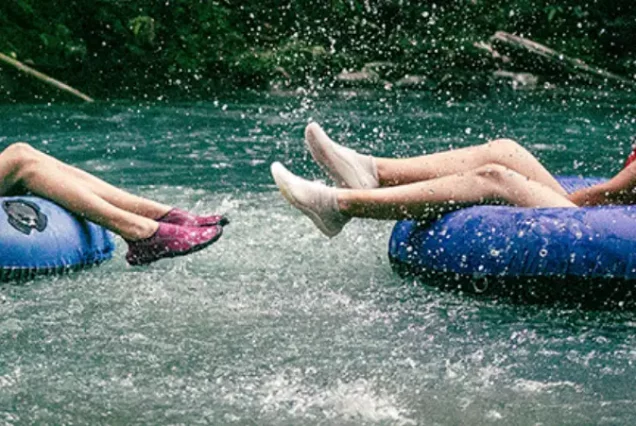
x,y
345,166
315,200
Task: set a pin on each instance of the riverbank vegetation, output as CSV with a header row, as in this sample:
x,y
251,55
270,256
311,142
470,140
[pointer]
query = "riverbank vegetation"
x,y
194,48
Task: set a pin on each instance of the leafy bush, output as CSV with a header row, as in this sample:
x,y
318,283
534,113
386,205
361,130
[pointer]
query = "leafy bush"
x,y
140,47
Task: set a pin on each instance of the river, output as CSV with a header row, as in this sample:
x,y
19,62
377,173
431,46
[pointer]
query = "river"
x,y
276,324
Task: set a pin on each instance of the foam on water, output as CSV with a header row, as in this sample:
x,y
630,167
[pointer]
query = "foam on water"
x,y
343,402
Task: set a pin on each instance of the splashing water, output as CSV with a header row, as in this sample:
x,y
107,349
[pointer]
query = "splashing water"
x,y
275,324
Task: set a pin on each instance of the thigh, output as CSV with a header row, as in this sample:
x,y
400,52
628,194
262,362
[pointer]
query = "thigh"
x,y
504,152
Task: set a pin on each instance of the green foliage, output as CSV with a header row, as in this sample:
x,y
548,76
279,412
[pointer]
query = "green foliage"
x,y
141,47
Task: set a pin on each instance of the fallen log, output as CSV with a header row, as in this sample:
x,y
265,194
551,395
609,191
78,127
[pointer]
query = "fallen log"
x,y
43,77
518,80
512,45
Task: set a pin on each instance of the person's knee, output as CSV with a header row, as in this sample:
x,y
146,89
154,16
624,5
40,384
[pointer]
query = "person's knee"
x,y
495,179
493,171
494,174
503,145
20,151
20,156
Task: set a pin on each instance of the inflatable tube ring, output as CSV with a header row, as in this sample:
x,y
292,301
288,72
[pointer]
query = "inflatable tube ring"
x,y
39,237
571,253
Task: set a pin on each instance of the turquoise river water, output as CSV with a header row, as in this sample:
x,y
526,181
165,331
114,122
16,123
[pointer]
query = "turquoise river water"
x,y
275,324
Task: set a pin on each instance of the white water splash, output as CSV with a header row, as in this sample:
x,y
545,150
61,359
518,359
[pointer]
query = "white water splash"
x,y
359,400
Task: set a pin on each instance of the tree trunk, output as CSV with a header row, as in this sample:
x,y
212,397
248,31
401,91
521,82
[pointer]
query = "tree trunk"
x,y
519,48
43,77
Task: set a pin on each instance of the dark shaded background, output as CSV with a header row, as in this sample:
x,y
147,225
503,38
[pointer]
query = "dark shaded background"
x,y
189,48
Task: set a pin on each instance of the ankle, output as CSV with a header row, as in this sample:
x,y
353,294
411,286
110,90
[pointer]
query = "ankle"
x,y
140,231
342,204
162,212
380,167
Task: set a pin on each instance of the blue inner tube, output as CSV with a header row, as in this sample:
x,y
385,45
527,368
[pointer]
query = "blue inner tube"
x,y
579,254
40,237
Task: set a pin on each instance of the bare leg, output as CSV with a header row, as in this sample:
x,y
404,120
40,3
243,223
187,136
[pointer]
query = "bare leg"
x,y
113,195
18,166
505,152
490,183
331,208
353,170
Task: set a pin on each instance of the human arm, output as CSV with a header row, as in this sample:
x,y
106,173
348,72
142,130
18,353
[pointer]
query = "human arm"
x,y
621,189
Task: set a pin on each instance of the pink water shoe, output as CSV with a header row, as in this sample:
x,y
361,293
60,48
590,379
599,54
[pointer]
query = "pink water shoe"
x,y
184,218
171,241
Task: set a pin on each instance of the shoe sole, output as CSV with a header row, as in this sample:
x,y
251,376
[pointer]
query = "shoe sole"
x,y
221,222
315,218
